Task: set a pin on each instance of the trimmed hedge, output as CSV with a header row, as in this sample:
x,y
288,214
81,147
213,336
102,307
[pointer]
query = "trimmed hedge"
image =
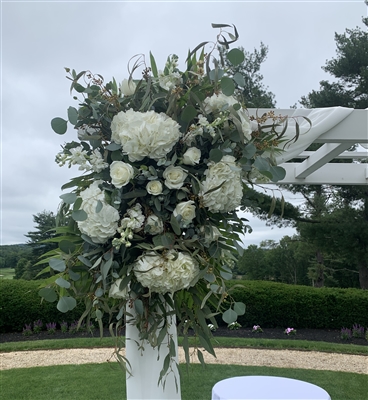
x,y
278,305
269,304
20,304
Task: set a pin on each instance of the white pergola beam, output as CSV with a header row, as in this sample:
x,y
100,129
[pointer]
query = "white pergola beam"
x,y
332,173
322,156
346,155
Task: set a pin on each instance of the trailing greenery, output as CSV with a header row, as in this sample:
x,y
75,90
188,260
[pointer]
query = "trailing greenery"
x,y
21,304
79,381
279,305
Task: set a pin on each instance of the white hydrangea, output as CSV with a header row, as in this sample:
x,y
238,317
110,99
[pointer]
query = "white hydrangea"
x,y
228,197
166,274
146,134
102,225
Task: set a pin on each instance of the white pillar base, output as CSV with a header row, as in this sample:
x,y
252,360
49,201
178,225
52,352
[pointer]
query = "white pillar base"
x,y
145,367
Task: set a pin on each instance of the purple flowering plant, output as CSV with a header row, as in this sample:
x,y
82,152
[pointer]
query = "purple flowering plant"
x,y
257,329
51,328
290,331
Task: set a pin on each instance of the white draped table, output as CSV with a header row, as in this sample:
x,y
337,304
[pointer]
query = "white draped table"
x,y
267,388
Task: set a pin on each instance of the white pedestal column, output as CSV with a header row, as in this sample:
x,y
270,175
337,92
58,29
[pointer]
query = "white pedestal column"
x,y
145,367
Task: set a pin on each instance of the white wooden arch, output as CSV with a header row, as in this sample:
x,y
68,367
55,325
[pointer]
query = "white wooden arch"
x,y
338,128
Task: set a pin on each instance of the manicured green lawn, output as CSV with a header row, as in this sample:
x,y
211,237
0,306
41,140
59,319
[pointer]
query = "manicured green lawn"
x,y
7,273
75,343
103,381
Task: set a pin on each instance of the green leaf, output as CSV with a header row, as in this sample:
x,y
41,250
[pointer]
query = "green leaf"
x,y
215,155
138,305
175,225
134,193
74,276
99,206
239,308
227,86
113,146
62,283
168,240
249,150
67,247
66,304
235,56
68,198
239,79
72,115
59,125
99,314
226,275
57,265
85,261
79,215
99,292
262,164
48,294
188,113
229,316
153,65
278,173
77,204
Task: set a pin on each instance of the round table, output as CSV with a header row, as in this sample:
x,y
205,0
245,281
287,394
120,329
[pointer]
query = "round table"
x,y
267,388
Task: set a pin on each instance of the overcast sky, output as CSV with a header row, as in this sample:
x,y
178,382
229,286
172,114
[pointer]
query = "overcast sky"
x,y
40,38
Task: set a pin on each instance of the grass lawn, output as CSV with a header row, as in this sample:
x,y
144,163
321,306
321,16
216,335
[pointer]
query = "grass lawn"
x,y
7,273
54,344
102,381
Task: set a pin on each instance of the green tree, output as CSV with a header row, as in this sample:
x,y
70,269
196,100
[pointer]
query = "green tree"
x,y
255,93
350,68
45,222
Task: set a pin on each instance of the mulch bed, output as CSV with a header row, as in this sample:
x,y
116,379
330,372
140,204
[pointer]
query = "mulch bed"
x,y
332,336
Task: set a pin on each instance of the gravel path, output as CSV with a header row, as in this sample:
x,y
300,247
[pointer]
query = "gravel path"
x,y
255,357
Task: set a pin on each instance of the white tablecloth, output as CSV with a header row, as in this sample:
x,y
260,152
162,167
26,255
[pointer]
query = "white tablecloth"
x,y
267,387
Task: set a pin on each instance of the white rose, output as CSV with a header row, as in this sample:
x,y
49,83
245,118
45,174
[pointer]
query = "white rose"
x,y
128,87
121,173
218,102
155,223
211,234
154,187
187,210
102,225
115,291
192,156
245,124
174,177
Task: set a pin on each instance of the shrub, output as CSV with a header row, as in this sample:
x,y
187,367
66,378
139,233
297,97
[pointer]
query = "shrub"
x,y
276,305
20,304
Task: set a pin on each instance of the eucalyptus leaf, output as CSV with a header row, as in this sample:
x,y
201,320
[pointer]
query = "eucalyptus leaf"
x,y
235,56
48,294
99,206
66,304
59,125
57,265
239,79
239,308
99,292
278,173
72,115
227,86
229,316
138,305
215,155
79,215
74,276
68,198
188,114
62,283
134,193
113,146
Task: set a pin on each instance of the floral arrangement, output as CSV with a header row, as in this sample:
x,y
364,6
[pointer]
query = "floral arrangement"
x,y
151,221
257,329
290,331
